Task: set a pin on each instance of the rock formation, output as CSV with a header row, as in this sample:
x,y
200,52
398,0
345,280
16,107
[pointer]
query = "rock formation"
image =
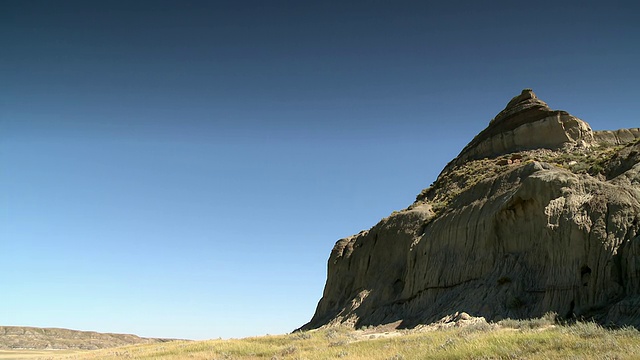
x,y
538,213
527,123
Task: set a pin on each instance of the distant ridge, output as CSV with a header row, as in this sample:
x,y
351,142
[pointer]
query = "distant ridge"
x,y
32,338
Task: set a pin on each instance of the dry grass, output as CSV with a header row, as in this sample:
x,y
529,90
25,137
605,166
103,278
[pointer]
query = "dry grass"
x,y
33,354
578,341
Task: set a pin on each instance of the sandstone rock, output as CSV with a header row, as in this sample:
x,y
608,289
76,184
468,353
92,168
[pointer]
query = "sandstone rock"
x,y
527,123
496,241
618,137
457,320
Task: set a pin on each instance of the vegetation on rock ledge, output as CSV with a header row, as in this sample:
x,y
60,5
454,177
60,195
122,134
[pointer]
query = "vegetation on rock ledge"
x,y
455,179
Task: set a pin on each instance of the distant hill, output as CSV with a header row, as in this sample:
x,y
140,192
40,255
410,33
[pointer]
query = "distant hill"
x,y
20,337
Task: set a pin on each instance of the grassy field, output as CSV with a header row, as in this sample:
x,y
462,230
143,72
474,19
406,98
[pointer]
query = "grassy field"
x,y
32,354
506,340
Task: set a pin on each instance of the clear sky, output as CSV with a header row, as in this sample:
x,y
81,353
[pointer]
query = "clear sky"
x,y
183,168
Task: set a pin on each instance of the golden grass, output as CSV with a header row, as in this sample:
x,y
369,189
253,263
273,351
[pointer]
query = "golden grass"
x,y
579,341
32,354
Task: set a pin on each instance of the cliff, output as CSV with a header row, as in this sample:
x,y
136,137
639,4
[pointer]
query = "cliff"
x,y
538,213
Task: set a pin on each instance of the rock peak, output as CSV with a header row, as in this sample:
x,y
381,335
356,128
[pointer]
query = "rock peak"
x,y
525,103
526,123
526,94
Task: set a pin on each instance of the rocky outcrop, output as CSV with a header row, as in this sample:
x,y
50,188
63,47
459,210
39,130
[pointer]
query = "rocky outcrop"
x,y
527,123
618,137
511,228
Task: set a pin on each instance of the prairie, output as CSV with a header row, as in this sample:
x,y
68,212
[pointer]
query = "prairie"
x,y
508,339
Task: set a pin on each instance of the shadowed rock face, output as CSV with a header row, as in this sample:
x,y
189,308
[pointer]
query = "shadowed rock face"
x,y
509,229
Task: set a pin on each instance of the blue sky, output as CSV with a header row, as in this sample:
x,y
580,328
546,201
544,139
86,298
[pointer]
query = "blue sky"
x,y
183,168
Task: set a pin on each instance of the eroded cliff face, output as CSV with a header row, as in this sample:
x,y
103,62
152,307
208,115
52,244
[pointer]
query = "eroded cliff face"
x,y
538,213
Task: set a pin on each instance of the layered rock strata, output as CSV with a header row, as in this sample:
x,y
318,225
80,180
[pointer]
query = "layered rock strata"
x,y
538,213
527,123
